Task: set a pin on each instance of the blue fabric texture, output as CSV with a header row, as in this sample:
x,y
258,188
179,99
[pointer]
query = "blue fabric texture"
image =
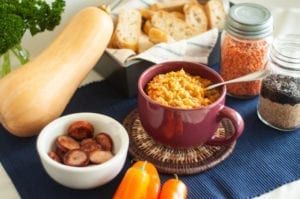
x,y
262,160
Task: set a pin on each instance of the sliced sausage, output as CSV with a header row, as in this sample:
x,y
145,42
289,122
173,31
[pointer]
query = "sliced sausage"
x,y
88,140
54,156
60,153
89,147
80,130
66,143
100,156
105,141
80,148
76,157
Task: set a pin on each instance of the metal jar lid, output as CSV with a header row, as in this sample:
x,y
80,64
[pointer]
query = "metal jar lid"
x,y
249,21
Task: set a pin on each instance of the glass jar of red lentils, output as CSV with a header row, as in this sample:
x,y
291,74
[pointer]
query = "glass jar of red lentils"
x,y
279,99
245,45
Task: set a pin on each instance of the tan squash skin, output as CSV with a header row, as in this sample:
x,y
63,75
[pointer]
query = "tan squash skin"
x,y
34,94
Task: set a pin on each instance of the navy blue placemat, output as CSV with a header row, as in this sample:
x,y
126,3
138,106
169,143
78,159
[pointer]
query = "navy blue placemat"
x,y
262,160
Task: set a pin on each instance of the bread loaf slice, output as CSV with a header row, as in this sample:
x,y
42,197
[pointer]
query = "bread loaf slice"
x,y
171,25
146,13
177,14
216,14
147,25
157,36
174,5
128,29
144,43
195,16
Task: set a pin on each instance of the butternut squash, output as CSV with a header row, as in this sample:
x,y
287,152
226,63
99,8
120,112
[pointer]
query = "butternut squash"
x,y
38,92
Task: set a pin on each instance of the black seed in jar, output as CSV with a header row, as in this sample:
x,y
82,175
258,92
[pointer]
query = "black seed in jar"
x,y
279,102
282,89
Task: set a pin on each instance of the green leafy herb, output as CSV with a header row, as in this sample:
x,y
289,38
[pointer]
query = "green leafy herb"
x,y
18,16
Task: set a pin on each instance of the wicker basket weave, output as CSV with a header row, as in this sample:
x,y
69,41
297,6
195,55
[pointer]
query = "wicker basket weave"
x,y
181,161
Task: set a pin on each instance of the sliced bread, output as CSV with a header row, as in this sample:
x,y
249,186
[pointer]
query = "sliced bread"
x,y
174,5
146,26
216,14
128,29
144,43
171,25
195,16
157,36
146,13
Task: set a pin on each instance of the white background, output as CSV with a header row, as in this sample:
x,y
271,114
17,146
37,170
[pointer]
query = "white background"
x,y
286,20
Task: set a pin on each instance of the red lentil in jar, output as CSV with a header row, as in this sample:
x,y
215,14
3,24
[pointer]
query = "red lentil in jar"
x,y
245,46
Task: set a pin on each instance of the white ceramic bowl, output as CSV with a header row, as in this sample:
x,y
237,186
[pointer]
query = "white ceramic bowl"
x,y
90,176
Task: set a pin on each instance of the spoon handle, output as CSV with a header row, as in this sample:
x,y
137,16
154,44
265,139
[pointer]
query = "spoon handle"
x,y
246,78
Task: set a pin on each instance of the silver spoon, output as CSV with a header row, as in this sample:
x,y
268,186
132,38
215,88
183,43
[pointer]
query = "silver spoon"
x,y
246,78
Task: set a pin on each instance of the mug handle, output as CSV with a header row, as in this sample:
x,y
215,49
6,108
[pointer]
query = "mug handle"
x,y
237,122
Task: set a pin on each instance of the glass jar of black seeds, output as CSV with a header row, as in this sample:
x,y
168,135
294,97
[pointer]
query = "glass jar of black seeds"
x,y
279,99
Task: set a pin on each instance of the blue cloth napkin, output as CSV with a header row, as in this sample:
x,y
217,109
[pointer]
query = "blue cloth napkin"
x,y
262,160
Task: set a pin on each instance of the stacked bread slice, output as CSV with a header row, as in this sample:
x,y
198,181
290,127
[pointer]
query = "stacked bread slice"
x,y
128,30
175,20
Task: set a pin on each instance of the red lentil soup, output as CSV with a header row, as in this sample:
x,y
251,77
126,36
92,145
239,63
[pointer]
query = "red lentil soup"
x,y
181,90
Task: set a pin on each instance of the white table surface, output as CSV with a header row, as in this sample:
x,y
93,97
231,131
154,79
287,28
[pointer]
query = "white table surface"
x,y
285,13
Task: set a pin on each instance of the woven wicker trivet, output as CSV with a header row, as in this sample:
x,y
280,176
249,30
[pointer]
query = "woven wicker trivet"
x,y
175,160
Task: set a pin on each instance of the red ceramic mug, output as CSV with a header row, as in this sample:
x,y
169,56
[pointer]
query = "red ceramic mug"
x,y
178,127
